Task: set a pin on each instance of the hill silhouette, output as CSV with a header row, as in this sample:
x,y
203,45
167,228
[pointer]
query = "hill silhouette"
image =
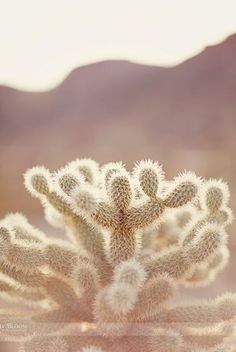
x,y
184,115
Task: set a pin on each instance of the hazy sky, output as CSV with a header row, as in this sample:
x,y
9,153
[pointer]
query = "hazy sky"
x,y
41,41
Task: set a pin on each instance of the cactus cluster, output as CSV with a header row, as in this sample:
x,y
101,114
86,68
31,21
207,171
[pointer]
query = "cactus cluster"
x,y
131,239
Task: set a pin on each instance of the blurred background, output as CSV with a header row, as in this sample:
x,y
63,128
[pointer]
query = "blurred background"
x,y
117,81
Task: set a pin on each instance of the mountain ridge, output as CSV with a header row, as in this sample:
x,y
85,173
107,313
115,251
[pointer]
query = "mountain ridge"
x,y
118,110
84,67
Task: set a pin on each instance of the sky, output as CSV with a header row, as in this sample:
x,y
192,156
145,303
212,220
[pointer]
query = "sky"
x,y
42,41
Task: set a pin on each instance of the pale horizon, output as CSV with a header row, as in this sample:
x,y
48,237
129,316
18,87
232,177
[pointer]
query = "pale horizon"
x,y
42,42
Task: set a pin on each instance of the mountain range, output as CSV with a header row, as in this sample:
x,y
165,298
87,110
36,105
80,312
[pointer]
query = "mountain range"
x,y
117,110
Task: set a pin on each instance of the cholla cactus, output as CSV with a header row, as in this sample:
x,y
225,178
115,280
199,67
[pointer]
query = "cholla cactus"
x,y
131,240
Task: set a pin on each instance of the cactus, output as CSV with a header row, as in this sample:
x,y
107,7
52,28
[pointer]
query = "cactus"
x,y
132,238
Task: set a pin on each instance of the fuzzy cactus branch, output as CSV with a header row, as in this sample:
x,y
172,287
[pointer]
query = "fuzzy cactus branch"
x,y
131,239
